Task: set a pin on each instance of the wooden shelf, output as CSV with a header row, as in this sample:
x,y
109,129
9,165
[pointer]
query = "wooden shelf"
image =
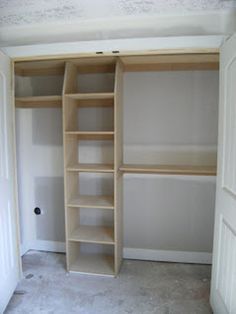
x,y
177,62
39,102
93,234
100,238
169,169
92,99
78,167
97,264
40,68
92,135
89,96
92,201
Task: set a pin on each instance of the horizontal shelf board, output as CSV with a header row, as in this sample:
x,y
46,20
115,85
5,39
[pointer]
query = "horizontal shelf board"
x,y
91,167
40,68
91,99
97,264
92,135
92,201
169,169
174,62
39,102
93,234
178,62
89,96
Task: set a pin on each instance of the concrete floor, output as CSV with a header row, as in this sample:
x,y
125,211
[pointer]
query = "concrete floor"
x,y
142,287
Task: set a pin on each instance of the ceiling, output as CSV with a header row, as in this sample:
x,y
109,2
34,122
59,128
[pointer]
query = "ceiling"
x,y
28,12
34,21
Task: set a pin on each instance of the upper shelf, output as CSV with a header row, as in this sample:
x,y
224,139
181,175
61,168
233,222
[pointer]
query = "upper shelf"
x,y
40,68
175,62
57,67
153,62
92,99
39,102
170,169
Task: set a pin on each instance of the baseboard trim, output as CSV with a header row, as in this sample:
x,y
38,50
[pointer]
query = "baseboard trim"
x,y
133,253
24,248
50,246
168,256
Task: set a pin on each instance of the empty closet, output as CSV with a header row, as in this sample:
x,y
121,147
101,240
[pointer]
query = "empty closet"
x,y
119,155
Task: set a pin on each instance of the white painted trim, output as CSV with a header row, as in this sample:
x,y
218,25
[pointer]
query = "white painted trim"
x,y
24,248
139,254
168,256
131,44
51,246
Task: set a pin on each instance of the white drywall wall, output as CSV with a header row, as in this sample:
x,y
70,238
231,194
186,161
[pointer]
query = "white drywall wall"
x,y
168,118
169,212
171,117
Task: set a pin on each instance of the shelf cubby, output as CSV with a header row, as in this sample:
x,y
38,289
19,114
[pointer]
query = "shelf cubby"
x,y
39,84
90,76
89,112
86,155
96,264
89,258
40,68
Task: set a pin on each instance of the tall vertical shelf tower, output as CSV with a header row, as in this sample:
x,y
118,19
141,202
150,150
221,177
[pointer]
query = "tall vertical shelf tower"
x,y
92,118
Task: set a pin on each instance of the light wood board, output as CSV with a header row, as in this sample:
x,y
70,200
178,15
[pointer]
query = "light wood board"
x,y
169,169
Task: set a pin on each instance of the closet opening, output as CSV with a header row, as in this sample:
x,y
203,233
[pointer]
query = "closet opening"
x,y
98,134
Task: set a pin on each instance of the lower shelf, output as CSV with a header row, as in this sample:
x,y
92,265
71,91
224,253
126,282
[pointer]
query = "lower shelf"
x,y
93,234
169,169
97,264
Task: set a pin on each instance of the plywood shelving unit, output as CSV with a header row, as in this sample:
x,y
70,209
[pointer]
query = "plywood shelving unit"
x,y
94,83
74,98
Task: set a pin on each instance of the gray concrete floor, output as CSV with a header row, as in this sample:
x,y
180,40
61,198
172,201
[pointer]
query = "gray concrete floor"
x,y
142,287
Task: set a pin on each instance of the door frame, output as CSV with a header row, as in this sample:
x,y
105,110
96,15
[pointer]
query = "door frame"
x,y
11,135
16,198
143,46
